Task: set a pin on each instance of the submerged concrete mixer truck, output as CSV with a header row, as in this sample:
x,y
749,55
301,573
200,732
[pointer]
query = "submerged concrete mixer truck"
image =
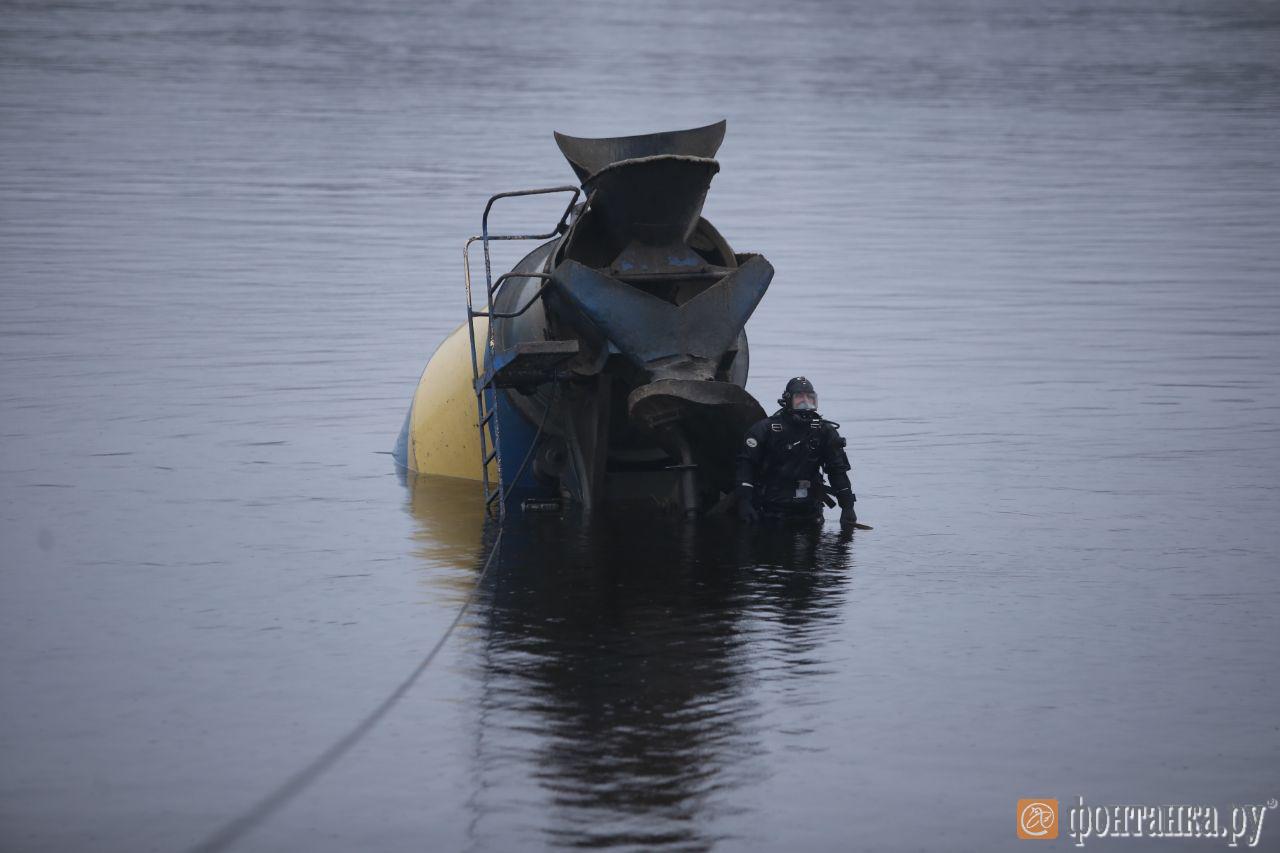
x,y
607,367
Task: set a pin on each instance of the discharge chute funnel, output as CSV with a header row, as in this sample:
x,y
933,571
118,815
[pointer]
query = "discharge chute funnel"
x,y
589,156
646,189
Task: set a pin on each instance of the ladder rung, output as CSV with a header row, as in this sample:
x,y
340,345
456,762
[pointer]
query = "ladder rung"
x,y
492,456
487,418
494,495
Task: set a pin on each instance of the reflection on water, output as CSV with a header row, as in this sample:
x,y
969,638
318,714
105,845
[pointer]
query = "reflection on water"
x,y
450,517
616,661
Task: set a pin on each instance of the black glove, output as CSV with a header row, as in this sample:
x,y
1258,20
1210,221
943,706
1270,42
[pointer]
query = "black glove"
x,y
848,518
747,505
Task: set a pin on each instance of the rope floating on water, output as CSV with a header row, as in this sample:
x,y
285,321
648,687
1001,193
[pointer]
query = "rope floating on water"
x,y
234,830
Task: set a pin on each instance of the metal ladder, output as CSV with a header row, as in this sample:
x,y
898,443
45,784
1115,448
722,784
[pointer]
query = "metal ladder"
x,y
482,380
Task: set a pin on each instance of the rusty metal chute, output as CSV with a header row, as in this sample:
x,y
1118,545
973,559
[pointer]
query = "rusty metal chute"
x,y
590,156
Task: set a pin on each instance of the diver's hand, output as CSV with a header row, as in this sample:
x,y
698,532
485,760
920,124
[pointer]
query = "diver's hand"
x,y
848,518
747,512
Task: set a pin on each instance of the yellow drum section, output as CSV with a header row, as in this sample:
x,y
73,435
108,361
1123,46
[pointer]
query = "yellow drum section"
x,y
444,437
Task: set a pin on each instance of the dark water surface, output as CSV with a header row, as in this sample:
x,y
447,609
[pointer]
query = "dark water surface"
x,y
1028,253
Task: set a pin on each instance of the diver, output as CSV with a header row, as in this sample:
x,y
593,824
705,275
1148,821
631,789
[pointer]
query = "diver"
x,y
779,464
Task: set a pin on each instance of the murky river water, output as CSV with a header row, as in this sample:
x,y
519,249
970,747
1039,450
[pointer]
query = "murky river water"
x,y
1029,255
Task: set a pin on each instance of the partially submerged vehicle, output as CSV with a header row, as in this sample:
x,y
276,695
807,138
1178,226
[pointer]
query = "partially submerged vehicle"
x,y
607,367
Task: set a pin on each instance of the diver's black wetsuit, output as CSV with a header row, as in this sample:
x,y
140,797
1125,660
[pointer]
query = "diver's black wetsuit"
x,y
779,465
